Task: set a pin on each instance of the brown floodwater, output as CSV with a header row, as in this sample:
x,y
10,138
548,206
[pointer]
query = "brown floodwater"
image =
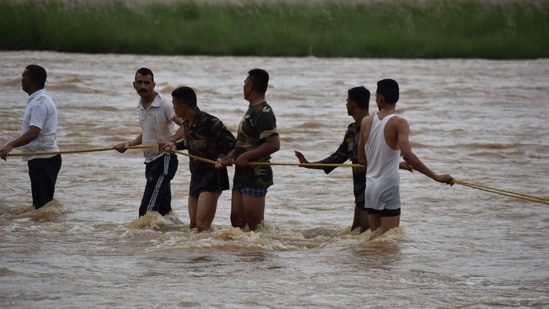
x,y
482,121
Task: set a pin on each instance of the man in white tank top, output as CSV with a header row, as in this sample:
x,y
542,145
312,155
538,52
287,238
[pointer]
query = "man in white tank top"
x,y
383,139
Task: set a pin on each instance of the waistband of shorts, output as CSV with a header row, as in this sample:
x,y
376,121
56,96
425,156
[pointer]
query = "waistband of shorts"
x,y
253,192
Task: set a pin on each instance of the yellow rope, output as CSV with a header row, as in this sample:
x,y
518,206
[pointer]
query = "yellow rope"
x,y
307,164
503,192
457,181
31,154
195,157
273,163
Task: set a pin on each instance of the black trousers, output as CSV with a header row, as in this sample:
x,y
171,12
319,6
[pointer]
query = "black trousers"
x,y
43,176
158,195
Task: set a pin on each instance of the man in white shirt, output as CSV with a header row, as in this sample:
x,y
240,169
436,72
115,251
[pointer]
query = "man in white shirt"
x,y
38,134
156,114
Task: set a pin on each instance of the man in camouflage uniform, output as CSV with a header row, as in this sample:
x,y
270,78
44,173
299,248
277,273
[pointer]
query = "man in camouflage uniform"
x,y
358,101
205,137
257,139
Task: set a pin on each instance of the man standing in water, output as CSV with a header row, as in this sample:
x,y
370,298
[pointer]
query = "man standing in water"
x,y
155,116
38,134
383,139
206,137
358,101
257,139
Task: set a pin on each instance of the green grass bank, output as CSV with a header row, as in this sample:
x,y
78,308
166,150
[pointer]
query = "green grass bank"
x,y
370,29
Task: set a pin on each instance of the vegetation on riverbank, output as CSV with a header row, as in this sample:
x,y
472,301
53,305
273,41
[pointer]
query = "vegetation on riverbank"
x,y
370,29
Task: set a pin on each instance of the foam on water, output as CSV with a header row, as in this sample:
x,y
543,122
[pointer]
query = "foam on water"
x,y
481,121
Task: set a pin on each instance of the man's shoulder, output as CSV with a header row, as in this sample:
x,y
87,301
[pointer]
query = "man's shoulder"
x,y
396,119
352,128
265,107
42,98
206,118
162,99
367,119
397,123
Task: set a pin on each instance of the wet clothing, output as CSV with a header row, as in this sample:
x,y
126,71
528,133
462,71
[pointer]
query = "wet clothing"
x,y
207,137
384,212
156,125
382,174
254,192
348,150
43,176
41,113
43,170
158,195
256,126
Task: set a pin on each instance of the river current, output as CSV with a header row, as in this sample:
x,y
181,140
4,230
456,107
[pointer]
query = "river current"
x,y
481,121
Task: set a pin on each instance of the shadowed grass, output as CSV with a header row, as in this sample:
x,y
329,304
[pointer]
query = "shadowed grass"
x,y
436,29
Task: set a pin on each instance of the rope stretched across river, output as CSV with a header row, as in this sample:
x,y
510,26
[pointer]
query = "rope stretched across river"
x,y
49,153
457,181
503,192
274,163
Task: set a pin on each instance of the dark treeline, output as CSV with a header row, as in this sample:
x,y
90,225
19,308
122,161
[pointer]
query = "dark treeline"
x,y
377,29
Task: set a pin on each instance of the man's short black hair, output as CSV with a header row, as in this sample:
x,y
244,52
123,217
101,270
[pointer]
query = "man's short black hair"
x,y
37,74
145,72
388,88
186,95
361,96
259,79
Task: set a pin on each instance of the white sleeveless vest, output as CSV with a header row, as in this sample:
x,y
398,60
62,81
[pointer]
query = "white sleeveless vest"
x,y
382,174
